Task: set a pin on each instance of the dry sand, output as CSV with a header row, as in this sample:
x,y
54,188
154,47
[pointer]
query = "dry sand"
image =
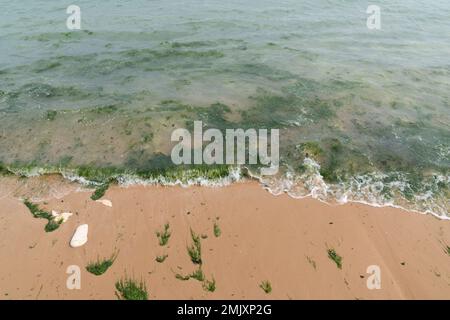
x,y
263,237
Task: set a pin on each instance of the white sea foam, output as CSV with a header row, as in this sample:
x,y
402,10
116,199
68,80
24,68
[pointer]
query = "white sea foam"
x,y
375,189
131,179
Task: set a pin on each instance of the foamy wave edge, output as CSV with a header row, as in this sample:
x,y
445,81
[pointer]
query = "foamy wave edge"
x,y
307,185
368,190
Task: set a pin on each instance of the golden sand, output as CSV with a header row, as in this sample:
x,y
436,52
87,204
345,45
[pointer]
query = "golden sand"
x,y
262,238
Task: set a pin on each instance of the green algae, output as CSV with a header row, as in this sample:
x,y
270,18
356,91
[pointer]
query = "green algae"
x,y
44,90
108,109
51,115
100,191
191,44
213,116
195,249
130,289
329,169
164,236
47,65
311,148
4,171
38,213
266,286
99,174
335,257
99,267
162,258
256,70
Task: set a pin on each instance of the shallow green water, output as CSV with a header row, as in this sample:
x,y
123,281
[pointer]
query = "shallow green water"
x,y
371,108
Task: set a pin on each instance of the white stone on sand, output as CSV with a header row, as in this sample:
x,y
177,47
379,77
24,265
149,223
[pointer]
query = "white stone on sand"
x,y
105,202
61,217
80,236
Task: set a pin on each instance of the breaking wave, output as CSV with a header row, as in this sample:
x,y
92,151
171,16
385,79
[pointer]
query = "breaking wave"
x,y
394,189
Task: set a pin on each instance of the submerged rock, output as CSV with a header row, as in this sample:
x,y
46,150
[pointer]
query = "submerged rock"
x,y
80,236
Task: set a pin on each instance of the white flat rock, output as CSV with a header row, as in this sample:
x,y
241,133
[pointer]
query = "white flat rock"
x,y
61,217
80,237
105,202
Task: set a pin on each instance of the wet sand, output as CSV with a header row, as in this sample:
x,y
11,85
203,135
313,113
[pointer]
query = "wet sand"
x,y
263,237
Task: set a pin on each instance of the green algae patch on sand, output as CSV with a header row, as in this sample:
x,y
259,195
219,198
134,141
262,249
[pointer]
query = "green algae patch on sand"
x,y
332,254
181,277
198,275
195,249
52,225
100,192
447,250
216,229
164,236
266,286
101,266
162,258
209,285
129,289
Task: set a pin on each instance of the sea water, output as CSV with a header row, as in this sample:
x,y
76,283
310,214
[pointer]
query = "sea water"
x,y
364,115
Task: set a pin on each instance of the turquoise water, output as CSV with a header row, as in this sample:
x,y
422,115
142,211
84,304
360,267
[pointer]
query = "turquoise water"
x,y
364,115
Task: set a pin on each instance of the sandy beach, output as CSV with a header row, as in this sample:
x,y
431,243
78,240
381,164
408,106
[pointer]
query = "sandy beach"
x,y
262,238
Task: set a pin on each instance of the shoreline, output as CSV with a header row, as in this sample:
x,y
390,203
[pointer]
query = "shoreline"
x,y
263,238
218,176
235,176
